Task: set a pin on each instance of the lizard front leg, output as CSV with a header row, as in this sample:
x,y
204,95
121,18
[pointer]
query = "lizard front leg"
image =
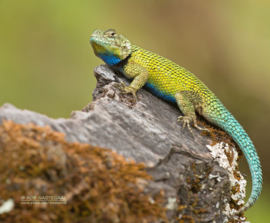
x,y
140,76
187,101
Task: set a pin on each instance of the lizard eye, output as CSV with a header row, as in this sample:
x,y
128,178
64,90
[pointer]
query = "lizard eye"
x,y
112,34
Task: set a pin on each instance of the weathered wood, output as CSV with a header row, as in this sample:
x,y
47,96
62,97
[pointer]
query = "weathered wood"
x,y
146,131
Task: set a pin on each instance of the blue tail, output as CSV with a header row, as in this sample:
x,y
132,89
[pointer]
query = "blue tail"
x,y
228,123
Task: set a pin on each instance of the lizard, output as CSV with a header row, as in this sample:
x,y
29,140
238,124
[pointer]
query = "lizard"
x,y
173,83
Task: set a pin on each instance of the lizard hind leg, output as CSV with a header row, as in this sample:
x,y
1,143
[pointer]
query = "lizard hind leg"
x,y
186,101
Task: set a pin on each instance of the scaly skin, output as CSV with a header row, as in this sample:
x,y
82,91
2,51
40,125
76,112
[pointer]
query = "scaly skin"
x,y
175,84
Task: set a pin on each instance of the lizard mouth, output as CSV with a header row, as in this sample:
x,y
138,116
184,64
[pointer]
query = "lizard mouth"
x,y
97,47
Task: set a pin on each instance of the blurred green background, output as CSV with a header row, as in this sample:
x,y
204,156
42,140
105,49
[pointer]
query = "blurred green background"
x,y
46,61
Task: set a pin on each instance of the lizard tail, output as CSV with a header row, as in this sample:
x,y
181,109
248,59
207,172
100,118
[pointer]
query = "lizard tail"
x,y
224,119
255,168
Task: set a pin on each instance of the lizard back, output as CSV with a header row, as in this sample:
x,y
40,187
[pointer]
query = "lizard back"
x,y
166,77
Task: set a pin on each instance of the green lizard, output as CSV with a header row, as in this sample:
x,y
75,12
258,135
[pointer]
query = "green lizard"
x,y
175,84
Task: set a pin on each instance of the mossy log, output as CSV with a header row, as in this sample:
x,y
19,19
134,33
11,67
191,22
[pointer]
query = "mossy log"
x,y
115,161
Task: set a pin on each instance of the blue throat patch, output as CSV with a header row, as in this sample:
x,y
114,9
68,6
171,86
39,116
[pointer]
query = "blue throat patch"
x,y
110,59
160,94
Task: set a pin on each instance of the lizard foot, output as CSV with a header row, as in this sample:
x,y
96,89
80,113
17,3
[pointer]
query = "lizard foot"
x,y
126,89
186,122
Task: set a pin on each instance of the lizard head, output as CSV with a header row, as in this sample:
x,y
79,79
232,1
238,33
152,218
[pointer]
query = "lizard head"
x,y
109,46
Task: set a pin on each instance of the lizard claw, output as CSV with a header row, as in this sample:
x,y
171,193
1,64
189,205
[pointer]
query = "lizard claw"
x,y
186,120
121,86
200,128
126,89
